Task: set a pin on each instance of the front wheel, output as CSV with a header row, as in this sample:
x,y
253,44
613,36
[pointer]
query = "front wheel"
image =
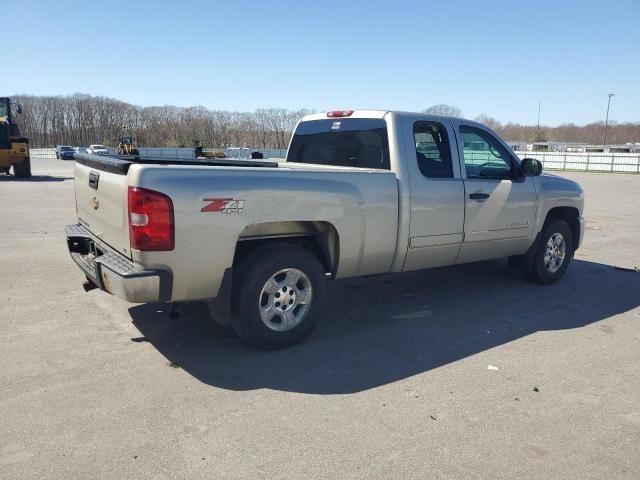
x,y
554,253
278,293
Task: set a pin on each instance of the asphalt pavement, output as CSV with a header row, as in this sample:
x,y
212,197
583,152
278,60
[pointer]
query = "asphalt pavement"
x,y
454,373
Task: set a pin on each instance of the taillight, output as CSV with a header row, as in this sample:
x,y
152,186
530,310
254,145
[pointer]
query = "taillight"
x,y
340,113
151,225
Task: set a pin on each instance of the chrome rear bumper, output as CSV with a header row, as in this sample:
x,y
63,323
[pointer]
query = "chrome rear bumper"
x,y
114,273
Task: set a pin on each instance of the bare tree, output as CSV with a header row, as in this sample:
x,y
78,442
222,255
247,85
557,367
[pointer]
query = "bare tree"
x,y
444,110
488,121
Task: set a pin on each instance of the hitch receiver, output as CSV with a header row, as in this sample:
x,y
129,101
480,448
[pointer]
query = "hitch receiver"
x,y
88,285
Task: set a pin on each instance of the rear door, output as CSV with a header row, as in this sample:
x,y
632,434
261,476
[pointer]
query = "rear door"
x,y
437,193
101,202
500,204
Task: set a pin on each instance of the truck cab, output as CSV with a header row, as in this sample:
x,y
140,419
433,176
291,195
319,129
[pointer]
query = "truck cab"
x,y
463,193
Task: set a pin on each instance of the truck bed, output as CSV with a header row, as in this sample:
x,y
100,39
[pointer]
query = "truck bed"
x,y
269,200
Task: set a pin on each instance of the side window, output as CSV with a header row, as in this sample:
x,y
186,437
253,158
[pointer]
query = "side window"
x,y
484,155
433,151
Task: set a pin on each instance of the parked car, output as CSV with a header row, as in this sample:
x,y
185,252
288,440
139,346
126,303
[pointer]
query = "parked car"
x,y
97,150
64,152
360,193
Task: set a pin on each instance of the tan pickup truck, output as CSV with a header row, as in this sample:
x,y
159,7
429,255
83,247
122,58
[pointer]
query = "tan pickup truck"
x,y
360,193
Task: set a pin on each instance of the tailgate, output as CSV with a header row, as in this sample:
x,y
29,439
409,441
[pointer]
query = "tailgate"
x,y
101,201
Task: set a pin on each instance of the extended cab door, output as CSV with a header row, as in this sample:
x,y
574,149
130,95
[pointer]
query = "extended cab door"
x,y
500,203
437,192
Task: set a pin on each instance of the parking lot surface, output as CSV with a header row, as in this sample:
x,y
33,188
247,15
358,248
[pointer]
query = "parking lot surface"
x,y
462,372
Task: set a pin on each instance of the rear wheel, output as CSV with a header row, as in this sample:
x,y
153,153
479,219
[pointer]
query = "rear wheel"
x,y
554,253
278,293
22,169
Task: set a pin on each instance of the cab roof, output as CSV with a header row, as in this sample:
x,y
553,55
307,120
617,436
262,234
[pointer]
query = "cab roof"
x,y
368,114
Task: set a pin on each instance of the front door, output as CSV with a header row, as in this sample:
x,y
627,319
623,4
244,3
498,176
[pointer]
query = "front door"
x,y
500,203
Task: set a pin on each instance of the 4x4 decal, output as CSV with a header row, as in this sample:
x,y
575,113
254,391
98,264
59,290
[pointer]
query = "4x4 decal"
x,y
223,205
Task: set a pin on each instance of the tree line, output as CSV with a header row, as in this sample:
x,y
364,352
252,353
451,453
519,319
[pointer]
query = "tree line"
x,y
592,133
82,120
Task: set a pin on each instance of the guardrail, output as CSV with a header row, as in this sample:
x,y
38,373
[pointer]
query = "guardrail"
x,y
169,152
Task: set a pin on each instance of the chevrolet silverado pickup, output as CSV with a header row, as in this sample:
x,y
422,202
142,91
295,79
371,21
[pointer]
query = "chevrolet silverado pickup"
x,y
360,193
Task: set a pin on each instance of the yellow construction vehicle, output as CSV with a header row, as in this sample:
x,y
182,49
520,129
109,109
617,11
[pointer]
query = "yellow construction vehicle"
x,y
127,147
200,153
14,149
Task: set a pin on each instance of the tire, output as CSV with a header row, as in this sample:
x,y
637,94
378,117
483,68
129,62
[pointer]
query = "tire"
x,y
22,169
278,294
551,262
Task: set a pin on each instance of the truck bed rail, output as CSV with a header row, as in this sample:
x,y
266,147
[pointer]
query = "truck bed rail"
x,y
120,163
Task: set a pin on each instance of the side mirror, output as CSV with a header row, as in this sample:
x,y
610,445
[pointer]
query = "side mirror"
x,y
531,167
19,109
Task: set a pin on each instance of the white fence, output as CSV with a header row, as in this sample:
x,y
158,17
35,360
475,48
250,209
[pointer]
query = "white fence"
x,y
42,152
586,162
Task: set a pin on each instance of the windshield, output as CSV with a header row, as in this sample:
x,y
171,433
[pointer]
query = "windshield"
x,y
4,108
95,147
350,142
66,149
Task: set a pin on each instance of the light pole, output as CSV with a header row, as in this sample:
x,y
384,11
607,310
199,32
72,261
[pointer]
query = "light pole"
x,y
538,128
606,122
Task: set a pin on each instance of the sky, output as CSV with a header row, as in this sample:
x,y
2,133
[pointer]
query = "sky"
x,y
499,58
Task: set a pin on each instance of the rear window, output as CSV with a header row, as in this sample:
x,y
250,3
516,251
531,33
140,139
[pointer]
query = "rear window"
x,y
350,142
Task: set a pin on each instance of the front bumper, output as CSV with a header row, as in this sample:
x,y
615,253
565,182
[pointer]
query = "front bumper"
x,y
581,228
114,273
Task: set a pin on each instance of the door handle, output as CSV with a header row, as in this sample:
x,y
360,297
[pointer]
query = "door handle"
x,y
94,178
479,196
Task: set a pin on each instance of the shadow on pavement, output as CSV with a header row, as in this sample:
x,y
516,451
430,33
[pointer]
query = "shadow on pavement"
x,y
382,329
34,178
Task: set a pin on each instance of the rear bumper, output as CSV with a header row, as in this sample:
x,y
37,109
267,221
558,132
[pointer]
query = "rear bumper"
x,y
114,273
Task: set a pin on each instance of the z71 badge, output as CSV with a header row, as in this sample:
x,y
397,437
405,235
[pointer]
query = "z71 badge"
x,y
223,205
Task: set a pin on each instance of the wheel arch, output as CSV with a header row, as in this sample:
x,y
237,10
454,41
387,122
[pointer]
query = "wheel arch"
x,y
571,215
319,237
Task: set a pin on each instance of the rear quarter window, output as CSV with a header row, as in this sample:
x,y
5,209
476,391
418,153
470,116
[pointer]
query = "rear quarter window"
x,y
344,142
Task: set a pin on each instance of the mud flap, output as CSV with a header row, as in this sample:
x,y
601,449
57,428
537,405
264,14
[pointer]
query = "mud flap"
x,y
525,262
220,307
